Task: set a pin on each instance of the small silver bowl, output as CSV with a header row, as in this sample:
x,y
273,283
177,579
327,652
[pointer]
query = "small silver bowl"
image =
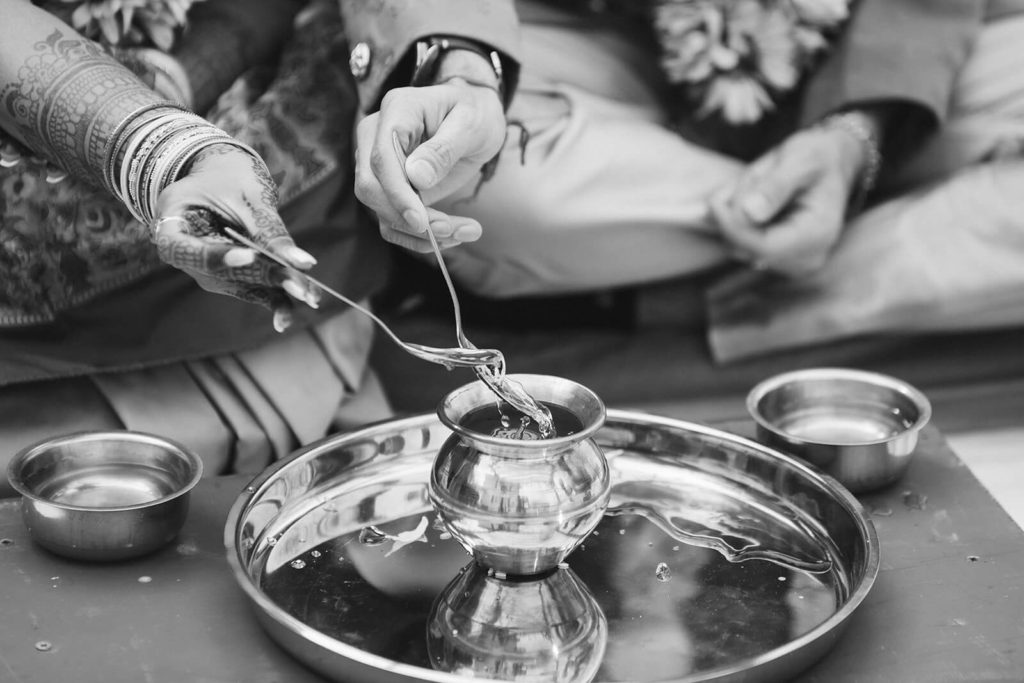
x,y
104,495
860,427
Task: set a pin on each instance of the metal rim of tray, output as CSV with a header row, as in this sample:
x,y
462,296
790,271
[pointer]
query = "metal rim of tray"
x,y
780,662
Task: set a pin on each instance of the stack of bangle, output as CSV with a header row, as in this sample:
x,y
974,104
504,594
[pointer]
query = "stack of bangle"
x,y
149,150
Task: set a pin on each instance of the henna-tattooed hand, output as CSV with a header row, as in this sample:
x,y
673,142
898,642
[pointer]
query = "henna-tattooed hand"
x,y
227,186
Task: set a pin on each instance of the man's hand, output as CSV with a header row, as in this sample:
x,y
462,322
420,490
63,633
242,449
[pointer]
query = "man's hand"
x,y
449,131
786,212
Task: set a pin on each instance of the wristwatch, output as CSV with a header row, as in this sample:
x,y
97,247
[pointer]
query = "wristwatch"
x,y
428,58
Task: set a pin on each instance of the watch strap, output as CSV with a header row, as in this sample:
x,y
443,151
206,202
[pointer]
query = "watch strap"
x,y
428,58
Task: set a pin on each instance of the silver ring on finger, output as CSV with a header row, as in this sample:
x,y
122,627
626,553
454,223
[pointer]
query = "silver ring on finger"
x,y
159,223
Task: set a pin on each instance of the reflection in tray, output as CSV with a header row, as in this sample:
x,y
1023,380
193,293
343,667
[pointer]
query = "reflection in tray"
x,y
724,560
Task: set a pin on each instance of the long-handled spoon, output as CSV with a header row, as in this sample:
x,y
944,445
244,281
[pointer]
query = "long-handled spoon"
x,y
449,357
493,376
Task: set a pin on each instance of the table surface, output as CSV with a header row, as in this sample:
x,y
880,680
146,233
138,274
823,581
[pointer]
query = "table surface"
x,y
948,604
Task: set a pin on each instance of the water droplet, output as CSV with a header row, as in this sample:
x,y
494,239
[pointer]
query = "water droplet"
x,y
187,548
973,558
272,541
675,548
444,536
298,564
782,578
622,532
145,579
663,572
372,536
914,501
315,553
505,422
44,646
880,510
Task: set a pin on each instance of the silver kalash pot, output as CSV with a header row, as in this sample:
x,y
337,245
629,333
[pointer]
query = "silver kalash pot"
x,y
517,501
539,628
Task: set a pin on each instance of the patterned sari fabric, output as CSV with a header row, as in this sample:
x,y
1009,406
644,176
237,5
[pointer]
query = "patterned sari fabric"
x,y
137,345
62,243
65,242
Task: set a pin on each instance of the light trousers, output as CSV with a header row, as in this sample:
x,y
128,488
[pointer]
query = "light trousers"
x,y
604,194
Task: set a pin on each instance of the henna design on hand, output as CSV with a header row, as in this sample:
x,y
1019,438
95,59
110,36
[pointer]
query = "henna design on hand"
x,y
68,100
202,257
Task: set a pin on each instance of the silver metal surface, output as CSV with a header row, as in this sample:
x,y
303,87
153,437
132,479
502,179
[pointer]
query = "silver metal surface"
x,y
701,573
861,427
520,506
104,495
545,628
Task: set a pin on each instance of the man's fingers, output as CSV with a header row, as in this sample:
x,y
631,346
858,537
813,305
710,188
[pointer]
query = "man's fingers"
x,y
448,231
774,182
745,237
387,166
436,157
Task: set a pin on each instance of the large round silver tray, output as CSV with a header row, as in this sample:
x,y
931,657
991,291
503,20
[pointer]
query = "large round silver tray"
x,y
726,584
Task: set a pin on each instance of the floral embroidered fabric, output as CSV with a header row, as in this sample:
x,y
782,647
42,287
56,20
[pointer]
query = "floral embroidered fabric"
x,y
64,242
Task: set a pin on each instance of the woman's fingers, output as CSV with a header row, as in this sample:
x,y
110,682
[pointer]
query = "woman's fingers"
x,y
228,186
190,243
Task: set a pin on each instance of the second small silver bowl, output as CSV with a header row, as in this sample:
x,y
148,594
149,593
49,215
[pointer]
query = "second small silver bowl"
x,y
104,495
860,427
